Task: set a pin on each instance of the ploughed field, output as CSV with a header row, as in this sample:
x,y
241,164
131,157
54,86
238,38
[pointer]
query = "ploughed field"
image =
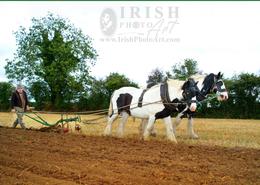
x,y
228,152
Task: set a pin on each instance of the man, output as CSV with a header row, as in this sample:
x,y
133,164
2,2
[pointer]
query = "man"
x,y
19,104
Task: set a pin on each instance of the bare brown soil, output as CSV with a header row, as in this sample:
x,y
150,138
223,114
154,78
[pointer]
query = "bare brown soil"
x,y
34,157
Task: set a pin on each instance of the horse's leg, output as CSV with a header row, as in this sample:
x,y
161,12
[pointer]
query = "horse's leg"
x,y
169,129
142,126
153,131
149,127
108,129
121,127
177,121
191,132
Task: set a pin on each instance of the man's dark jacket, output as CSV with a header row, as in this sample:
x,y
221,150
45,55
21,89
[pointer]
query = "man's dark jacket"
x,y
16,100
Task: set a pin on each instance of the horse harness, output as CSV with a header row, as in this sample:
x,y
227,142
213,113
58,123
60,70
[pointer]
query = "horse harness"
x,y
164,92
140,100
165,97
218,86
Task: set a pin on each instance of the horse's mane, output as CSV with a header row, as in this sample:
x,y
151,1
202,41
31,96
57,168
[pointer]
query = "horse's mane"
x,y
198,77
207,83
176,83
173,82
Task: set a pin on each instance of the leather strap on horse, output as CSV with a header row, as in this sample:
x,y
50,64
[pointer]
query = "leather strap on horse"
x,y
164,92
140,100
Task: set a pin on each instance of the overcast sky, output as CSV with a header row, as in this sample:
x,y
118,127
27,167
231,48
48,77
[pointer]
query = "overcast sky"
x,y
221,36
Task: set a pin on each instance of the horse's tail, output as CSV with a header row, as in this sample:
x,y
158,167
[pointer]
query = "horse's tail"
x,y
111,110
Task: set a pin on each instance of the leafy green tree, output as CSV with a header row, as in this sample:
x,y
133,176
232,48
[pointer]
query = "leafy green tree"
x,y
96,97
156,76
100,91
6,90
246,91
115,81
54,52
184,70
41,94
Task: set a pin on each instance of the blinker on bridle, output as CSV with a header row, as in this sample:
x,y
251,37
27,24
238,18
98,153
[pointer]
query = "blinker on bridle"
x,y
217,87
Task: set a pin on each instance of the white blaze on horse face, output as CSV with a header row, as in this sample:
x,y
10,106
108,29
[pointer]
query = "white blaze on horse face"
x,y
193,106
222,96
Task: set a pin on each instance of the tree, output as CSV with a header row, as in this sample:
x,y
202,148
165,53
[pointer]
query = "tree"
x,y
100,91
6,90
98,97
184,70
115,81
156,76
246,91
55,53
41,94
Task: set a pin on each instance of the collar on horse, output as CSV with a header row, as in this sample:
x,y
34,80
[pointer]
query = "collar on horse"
x,y
164,92
165,97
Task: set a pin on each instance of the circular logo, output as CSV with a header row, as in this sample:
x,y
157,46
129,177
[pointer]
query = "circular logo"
x,y
108,22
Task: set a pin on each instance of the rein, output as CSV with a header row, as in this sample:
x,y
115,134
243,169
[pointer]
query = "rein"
x,y
207,100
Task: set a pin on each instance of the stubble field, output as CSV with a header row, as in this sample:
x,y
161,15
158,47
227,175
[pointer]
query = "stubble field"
x,y
227,152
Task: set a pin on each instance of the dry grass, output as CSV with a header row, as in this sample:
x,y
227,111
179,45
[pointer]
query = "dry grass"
x,y
221,132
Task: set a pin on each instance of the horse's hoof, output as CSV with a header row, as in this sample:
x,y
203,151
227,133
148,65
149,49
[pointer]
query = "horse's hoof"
x,y
106,134
120,136
153,134
173,140
146,138
195,136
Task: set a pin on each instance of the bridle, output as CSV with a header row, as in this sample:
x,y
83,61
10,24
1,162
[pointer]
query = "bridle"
x,y
214,88
217,87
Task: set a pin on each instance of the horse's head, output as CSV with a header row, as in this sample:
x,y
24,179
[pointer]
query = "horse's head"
x,y
214,83
220,88
190,91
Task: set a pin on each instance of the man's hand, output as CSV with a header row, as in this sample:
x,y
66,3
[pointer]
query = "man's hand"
x,y
12,110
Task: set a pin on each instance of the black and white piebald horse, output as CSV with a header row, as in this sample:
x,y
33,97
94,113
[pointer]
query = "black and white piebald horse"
x,y
158,102
207,84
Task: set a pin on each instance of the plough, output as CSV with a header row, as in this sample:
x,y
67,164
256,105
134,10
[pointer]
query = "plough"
x,y
61,121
